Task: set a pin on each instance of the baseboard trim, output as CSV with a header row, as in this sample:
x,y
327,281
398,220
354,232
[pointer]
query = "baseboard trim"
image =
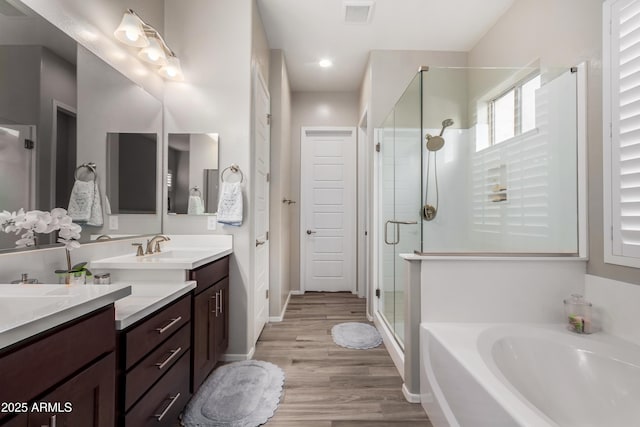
x,y
410,397
275,319
230,357
296,292
394,350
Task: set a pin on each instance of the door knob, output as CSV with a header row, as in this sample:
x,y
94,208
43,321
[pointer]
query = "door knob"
x,y
258,243
309,232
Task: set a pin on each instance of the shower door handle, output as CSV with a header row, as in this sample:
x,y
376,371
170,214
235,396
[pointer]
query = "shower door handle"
x,y
398,224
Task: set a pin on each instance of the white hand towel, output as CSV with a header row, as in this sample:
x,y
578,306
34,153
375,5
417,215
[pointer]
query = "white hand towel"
x,y
81,201
85,206
230,204
96,218
196,207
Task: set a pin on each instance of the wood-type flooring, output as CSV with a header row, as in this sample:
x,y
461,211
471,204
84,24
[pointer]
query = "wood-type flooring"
x,y
327,385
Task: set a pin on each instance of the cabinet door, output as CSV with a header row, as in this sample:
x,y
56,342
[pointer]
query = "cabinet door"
x,y
87,399
203,352
20,420
220,319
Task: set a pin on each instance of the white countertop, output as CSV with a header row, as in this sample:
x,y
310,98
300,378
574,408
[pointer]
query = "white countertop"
x,y
170,259
27,310
147,297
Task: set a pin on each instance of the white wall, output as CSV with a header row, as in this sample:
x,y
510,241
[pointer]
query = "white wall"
x,y
485,290
313,109
572,33
219,42
279,214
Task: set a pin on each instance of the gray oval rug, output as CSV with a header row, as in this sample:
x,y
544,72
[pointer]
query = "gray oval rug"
x,y
356,335
240,394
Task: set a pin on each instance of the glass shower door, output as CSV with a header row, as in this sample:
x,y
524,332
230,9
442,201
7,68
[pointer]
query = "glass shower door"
x,y
401,153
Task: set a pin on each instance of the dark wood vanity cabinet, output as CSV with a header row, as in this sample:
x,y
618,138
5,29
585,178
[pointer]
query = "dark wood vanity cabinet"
x,y
154,367
64,376
210,318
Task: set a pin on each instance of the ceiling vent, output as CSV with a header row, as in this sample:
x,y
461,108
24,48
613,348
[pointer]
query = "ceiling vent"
x,y
358,12
11,8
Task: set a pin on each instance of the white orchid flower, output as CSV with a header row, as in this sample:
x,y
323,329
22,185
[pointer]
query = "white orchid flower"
x,y
37,221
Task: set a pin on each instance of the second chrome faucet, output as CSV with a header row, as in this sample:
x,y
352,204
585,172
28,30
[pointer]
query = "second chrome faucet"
x,y
153,245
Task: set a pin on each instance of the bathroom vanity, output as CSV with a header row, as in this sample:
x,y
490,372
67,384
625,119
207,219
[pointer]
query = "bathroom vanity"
x,y
127,354
171,332
64,374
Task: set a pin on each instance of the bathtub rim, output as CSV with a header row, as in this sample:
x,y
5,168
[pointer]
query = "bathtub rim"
x,y
462,342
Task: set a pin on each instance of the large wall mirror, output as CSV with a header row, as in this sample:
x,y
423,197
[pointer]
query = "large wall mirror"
x,y
58,102
192,173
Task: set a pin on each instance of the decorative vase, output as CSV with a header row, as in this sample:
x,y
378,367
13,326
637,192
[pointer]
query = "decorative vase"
x,y
72,278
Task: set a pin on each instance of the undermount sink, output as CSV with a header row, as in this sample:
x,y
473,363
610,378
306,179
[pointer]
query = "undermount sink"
x,y
181,254
170,258
36,291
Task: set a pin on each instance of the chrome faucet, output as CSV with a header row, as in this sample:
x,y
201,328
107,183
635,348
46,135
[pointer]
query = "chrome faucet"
x,y
153,245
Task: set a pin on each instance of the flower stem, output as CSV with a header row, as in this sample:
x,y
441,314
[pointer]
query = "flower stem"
x,y
68,259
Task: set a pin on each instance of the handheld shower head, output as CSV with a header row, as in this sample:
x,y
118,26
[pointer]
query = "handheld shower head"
x,y
434,143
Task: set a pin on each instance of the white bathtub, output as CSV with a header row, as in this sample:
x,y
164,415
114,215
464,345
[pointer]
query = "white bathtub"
x,y
527,375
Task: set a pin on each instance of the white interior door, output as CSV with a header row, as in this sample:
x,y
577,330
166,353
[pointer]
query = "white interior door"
x,y
328,209
261,126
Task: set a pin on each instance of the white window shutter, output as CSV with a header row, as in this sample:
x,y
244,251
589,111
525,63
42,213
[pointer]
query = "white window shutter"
x,y
625,127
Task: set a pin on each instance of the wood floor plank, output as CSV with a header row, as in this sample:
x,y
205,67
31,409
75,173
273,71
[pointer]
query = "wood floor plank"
x,y
327,385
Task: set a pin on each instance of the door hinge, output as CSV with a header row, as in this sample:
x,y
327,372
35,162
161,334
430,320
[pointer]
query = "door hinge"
x,y
267,293
268,176
29,144
268,119
267,235
378,293
378,147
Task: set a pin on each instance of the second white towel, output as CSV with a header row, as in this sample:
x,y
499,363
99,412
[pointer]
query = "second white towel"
x,y
230,204
85,205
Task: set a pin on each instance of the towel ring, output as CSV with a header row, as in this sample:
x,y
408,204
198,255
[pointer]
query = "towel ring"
x,y
92,169
234,169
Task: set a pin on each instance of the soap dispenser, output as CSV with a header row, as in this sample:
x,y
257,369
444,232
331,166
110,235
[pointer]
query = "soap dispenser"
x,y
578,312
24,280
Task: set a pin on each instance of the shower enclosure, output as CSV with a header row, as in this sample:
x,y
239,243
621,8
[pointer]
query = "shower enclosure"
x,y
480,162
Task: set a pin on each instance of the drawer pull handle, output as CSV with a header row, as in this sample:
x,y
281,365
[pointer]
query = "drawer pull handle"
x,y
173,355
161,415
221,300
166,328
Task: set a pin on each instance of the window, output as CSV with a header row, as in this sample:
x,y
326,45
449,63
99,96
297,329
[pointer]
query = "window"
x,y
621,123
514,111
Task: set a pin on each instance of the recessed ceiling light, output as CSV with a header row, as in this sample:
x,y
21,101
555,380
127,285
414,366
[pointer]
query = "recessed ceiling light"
x,y
325,63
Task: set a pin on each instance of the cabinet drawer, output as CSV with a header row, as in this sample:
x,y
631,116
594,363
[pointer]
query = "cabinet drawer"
x,y
153,366
143,338
162,405
209,274
45,362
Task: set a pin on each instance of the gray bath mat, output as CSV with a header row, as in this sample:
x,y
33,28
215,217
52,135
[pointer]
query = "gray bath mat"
x,y
356,335
240,394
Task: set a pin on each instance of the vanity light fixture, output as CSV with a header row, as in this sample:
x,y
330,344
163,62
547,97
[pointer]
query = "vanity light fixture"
x,y
133,31
172,70
130,30
153,53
